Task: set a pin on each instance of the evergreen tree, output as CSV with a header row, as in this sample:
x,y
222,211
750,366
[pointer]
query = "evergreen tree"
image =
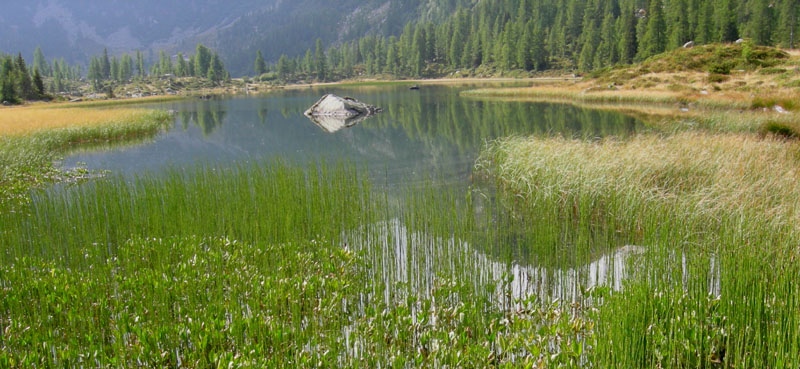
x,y
22,77
320,64
105,66
283,67
654,40
260,66
725,21
40,63
140,69
180,69
38,83
202,61
788,24
7,91
524,46
678,23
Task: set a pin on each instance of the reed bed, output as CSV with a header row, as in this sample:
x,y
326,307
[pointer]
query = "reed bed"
x,y
26,157
28,120
717,214
268,264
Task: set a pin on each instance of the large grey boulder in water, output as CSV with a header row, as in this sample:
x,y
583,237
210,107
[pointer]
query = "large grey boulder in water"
x,y
333,113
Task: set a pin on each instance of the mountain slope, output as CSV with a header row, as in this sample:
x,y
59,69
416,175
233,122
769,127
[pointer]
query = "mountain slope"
x,y
77,29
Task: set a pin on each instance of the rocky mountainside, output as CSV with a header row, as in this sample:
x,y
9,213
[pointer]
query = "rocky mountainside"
x,y
77,29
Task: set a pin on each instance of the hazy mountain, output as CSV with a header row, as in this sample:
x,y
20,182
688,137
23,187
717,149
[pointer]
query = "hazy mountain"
x,y
76,29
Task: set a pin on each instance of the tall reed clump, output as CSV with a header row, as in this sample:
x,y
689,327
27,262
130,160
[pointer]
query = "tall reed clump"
x,y
718,215
263,264
28,148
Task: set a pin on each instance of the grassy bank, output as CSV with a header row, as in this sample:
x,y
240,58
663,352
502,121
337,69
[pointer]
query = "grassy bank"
x,y
31,138
724,87
717,214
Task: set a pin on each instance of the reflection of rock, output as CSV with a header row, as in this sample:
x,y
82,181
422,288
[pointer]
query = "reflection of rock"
x,y
333,113
332,124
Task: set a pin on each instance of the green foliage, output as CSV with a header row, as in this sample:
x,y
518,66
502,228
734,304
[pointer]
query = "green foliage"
x,y
537,34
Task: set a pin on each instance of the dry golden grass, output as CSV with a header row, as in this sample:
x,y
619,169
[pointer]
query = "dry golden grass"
x,y
700,172
26,120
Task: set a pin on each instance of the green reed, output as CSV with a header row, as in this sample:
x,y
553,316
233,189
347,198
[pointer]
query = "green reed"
x,y
267,264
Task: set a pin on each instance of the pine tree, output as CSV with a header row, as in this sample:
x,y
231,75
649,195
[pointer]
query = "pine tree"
x,y
202,61
607,50
260,66
539,53
40,63
759,25
105,66
180,68
7,91
283,68
678,23
654,40
320,62
22,77
626,29
38,83
725,21
789,23
524,46
140,69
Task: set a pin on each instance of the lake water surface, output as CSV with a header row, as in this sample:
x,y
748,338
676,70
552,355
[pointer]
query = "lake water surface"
x,y
427,136
429,133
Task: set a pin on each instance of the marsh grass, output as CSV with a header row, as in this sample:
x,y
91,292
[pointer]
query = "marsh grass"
x,y
268,264
27,153
718,215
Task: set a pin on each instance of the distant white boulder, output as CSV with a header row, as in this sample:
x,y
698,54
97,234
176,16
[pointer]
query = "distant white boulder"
x,y
333,113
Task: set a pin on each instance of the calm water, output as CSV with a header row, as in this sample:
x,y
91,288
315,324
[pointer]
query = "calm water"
x,y
430,133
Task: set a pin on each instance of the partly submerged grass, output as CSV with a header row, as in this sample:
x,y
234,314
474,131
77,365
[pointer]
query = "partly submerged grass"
x,y
263,265
28,120
718,214
35,138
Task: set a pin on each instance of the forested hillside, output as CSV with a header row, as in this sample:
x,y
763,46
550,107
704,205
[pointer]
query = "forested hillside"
x,y
78,29
535,35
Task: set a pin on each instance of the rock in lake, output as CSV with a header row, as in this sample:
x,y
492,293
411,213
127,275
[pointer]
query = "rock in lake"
x,y
333,113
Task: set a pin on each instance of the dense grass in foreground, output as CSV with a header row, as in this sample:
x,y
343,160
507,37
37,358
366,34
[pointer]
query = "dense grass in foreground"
x,y
718,216
268,264
264,265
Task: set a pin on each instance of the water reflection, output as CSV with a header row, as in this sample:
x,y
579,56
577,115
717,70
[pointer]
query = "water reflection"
x,y
420,133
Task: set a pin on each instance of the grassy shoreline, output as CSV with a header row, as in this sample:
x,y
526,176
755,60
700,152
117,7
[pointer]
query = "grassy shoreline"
x,y
32,138
727,203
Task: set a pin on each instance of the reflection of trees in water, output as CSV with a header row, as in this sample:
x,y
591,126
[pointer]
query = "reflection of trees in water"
x,y
208,116
468,123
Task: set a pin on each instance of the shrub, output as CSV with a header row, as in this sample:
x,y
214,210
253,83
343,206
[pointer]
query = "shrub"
x,y
781,129
719,68
717,78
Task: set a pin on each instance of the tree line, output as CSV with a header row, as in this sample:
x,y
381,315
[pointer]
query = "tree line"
x,y
203,64
536,35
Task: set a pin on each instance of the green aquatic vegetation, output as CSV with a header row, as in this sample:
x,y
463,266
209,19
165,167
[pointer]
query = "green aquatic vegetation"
x,y
26,161
265,264
718,284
